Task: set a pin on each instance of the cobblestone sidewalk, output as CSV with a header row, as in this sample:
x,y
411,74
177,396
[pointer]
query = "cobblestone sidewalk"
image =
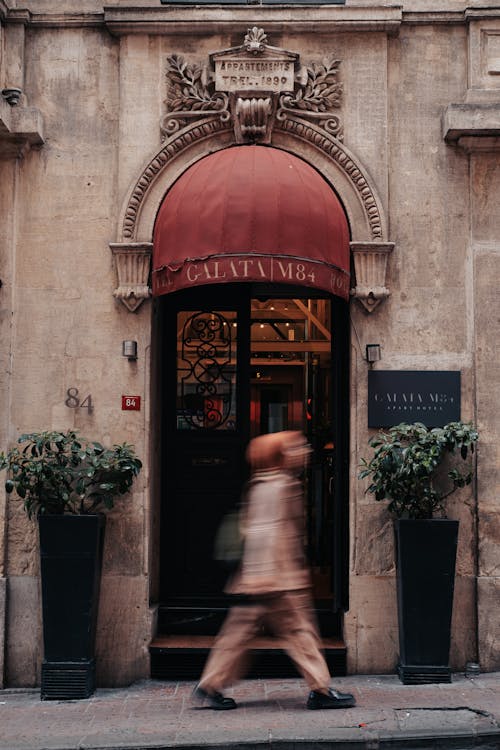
x,y
271,713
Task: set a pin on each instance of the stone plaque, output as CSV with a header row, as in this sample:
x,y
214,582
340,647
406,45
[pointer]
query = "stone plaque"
x,y
253,86
244,73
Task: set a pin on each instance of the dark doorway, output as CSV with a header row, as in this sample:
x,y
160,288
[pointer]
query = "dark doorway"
x,y
241,360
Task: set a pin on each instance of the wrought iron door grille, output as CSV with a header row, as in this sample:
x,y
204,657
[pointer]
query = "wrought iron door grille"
x,y
207,371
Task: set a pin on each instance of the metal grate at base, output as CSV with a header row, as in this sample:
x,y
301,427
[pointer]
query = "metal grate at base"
x,y
423,675
67,680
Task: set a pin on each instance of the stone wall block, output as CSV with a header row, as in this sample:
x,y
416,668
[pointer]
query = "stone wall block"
x,y
3,618
143,89
485,186
72,76
23,656
461,507
488,477
489,542
489,623
486,183
371,626
365,111
487,283
123,631
374,541
123,541
22,541
463,623
429,212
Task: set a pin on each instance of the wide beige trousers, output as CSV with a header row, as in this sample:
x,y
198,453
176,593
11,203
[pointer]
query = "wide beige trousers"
x,y
289,616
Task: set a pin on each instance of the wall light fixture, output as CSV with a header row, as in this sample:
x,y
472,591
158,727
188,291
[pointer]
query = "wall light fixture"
x,y
373,353
129,350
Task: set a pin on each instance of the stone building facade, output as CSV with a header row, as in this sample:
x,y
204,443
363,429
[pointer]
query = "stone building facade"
x,y
105,107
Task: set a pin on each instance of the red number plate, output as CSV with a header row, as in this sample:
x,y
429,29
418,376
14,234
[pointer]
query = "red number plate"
x,y
131,403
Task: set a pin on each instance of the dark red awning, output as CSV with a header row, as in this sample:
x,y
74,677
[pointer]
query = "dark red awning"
x,y
251,213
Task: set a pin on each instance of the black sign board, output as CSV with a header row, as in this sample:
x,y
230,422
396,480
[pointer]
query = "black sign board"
x,y
395,396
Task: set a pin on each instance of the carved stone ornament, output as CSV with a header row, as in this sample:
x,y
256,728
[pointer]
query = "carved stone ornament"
x,y
133,263
251,86
370,266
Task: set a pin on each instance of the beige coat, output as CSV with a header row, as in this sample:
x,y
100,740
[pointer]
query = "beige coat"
x,y
272,524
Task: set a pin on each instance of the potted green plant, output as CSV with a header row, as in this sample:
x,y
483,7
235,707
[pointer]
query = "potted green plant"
x,y
66,482
416,469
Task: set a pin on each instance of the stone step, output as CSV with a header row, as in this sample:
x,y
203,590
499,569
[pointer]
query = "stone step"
x,y
183,656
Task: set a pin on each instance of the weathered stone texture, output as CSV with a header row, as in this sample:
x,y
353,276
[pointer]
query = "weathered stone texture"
x,y
485,183
429,206
24,654
489,541
489,623
7,222
463,645
373,547
124,538
487,281
3,598
142,93
371,629
123,630
22,541
461,506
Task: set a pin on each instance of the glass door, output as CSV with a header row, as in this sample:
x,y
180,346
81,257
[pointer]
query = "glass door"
x,y
248,360
205,428
291,389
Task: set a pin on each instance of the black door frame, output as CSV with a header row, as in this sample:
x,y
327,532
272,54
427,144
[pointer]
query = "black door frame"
x,y
231,294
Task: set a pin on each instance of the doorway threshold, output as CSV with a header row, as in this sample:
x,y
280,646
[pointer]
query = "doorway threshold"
x,y
181,657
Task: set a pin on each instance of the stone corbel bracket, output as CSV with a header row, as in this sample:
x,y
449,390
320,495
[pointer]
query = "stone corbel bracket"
x,y
253,116
473,126
370,266
21,128
133,263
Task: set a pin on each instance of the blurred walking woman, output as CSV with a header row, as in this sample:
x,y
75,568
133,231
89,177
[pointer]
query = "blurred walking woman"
x,y
274,578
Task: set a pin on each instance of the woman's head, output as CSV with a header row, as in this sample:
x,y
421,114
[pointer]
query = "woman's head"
x,y
278,450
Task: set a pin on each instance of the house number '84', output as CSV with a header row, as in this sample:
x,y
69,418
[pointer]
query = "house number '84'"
x,y
74,402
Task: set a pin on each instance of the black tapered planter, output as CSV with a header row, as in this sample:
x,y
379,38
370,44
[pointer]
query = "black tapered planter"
x,y
71,559
425,564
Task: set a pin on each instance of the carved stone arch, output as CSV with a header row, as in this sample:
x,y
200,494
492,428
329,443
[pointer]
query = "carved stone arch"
x,y
328,155
341,169
177,154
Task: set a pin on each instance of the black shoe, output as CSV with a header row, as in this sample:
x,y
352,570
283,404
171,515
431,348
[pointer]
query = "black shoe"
x,y
334,699
215,700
